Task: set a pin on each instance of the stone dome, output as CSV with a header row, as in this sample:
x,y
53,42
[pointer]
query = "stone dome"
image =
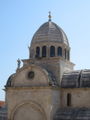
x,y
50,32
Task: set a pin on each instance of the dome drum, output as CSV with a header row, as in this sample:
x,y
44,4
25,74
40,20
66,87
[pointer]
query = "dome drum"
x,y
36,50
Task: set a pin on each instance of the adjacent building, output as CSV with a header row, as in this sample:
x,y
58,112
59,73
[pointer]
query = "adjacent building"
x,y
3,111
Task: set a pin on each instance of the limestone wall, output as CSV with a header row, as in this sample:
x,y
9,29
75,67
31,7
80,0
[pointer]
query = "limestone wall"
x,y
40,77
44,101
48,44
80,97
56,66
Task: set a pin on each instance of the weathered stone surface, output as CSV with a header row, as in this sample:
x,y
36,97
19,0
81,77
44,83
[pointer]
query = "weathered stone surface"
x,y
73,114
76,79
85,78
80,97
50,32
45,100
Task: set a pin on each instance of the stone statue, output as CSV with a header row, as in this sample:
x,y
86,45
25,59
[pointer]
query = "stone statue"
x,y
18,63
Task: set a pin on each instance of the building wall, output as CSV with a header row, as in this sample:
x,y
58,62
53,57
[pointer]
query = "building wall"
x,y
32,96
45,99
56,65
40,77
80,97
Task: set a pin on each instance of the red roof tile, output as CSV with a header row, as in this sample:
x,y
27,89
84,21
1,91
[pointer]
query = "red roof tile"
x,y
2,103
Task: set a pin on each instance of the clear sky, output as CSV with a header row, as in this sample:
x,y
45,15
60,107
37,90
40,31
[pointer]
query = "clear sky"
x,y
19,19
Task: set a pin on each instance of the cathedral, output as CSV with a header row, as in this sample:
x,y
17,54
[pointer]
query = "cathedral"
x,y
47,87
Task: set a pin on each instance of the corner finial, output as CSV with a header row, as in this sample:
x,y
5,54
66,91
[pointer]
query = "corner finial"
x,y
49,16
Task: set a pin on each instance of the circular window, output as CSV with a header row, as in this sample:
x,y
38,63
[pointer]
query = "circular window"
x,y
31,75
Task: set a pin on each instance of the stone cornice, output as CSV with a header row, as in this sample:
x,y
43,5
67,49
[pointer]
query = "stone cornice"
x,y
35,87
47,59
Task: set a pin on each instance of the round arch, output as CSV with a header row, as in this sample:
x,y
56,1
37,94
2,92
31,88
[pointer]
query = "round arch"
x,y
28,111
52,51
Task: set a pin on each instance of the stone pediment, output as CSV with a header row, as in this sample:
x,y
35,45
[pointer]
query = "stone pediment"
x,y
31,75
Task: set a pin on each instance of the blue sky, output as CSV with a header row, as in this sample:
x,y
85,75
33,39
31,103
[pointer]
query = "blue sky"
x,y
19,19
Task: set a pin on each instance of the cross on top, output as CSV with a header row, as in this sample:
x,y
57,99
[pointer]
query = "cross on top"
x,y
49,16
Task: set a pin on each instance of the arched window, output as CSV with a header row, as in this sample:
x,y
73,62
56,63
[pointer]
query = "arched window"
x,y
68,55
65,54
68,99
52,51
59,51
37,51
44,51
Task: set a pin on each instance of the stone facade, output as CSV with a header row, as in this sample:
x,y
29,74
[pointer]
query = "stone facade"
x,y
46,87
80,97
41,101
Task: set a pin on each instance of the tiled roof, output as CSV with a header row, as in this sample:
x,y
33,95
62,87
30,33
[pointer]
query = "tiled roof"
x,y
2,103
